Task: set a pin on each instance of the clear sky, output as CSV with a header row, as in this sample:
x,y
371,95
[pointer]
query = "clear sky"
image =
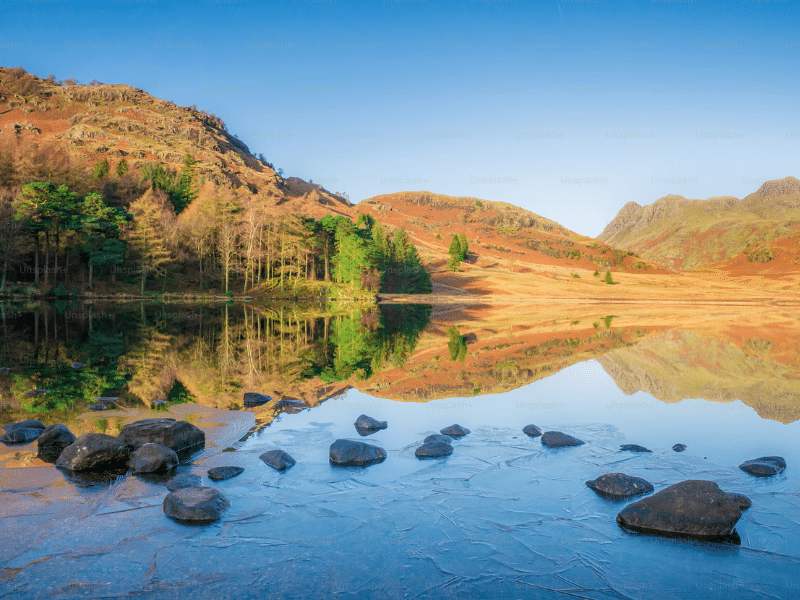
x,y
568,108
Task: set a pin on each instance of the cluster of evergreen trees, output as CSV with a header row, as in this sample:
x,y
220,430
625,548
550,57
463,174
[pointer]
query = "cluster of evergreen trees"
x,y
458,251
202,236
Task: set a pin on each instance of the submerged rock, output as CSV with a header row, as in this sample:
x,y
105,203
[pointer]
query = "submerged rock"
x,y
367,425
223,473
182,437
679,447
251,399
618,486
278,460
438,437
434,449
634,448
94,452
693,508
53,441
196,504
532,431
741,500
556,439
455,431
183,480
766,466
349,453
153,458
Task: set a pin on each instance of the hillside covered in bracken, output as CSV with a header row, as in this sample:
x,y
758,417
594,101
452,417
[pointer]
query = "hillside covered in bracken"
x,y
683,234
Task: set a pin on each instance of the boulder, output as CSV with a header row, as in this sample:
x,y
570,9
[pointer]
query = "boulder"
x,y
438,437
251,399
434,449
53,441
741,500
223,473
455,431
278,460
21,435
766,466
367,425
349,453
679,447
195,504
97,407
556,439
153,458
618,486
634,448
693,508
531,431
94,452
183,480
184,438
28,423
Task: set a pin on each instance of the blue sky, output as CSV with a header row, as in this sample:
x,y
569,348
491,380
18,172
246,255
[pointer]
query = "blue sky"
x,y
568,108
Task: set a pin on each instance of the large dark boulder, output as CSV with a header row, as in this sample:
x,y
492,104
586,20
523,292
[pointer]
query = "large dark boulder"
x,y
184,438
741,500
251,399
455,431
278,460
766,466
531,431
693,508
434,449
556,439
618,486
27,424
438,437
21,435
183,480
94,452
153,458
223,473
348,453
634,448
367,425
195,504
53,441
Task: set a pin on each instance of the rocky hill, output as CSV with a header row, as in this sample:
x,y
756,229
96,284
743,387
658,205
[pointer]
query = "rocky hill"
x,y
683,234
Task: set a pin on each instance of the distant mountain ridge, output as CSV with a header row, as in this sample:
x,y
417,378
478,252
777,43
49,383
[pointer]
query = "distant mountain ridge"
x,y
682,234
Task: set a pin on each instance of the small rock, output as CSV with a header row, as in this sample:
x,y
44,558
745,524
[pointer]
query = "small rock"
x,y
766,466
53,441
438,437
183,480
367,425
33,423
251,399
97,407
196,504
556,439
743,501
634,448
278,460
94,451
153,458
455,431
21,435
693,508
679,447
37,392
77,365
348,453
106,399
434,449
532,431
223,473
618,486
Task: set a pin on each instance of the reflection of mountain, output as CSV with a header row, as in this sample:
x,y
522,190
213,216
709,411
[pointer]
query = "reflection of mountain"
x,y
684,364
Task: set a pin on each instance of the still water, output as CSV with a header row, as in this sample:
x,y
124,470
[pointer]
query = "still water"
x,y
502,517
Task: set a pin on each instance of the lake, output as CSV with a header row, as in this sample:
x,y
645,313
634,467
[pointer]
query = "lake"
x,y
502,517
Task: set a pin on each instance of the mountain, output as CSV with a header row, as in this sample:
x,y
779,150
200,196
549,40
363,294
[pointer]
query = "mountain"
x,y
684,234
95,122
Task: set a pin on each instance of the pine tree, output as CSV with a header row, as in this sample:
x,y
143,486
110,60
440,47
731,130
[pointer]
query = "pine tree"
x,y
101,169
147,236
462,239
122,168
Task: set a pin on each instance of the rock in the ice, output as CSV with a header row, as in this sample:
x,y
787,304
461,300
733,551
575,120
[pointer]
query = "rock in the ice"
x,y
278,460
679,447
634,448
28,423
223,473
153,458
348,453
556,439
455,431
743,501
252,399
94,452
766,466
366,425
184,438
618,486
53,441
438,437
434,449
183,480
195,504
21,435
532,431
